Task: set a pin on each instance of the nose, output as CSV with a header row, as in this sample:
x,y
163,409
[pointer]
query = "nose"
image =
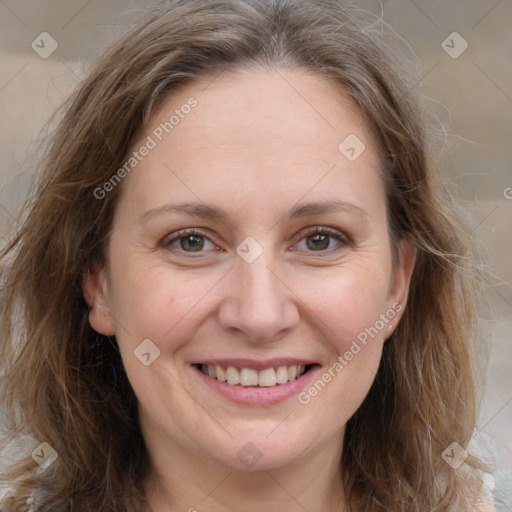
x,y
258,303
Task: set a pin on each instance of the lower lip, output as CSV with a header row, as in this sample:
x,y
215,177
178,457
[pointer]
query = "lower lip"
x,y
247,395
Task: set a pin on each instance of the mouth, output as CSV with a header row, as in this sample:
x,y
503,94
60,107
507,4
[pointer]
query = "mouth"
x,y
251,377
256,383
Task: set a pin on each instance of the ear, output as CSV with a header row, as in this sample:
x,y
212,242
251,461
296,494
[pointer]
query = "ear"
x,y
401,277
95,290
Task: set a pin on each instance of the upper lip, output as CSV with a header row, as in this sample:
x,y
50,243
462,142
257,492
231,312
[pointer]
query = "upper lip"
x,y
256,364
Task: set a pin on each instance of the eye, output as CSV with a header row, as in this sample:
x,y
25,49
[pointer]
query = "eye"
x,y
189,240
315,239
320,239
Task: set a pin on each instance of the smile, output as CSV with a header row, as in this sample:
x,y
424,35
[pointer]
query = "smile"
x,y
267,377
256,383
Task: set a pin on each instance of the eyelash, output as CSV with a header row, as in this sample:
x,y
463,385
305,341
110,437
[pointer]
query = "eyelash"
x,y
316,230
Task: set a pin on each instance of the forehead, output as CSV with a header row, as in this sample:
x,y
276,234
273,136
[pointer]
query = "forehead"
x,y
254,135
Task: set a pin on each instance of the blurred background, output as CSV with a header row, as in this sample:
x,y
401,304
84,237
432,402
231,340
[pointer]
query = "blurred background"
x,y
464,48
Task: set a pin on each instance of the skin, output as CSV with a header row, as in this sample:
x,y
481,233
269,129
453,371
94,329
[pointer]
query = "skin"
x,y
258,142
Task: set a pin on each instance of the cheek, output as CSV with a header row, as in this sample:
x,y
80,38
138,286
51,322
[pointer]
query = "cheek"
x,y
150,301
349,314
349,303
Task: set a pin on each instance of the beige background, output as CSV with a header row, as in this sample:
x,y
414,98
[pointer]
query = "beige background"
x,y
473,95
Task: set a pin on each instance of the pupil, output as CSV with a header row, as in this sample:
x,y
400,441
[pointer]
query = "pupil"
x,y
319,242
195,243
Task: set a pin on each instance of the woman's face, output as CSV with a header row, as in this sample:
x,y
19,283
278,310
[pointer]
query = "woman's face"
x,y
287,268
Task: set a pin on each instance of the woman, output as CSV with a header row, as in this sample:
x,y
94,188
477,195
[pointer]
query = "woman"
x,y
238,285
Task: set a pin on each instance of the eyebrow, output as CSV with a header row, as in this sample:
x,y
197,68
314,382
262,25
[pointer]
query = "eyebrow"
x,y
206,211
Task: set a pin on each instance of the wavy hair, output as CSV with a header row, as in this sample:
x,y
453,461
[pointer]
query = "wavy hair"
x,y
63,383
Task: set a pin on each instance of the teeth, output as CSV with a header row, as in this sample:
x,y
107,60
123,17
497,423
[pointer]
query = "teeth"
x,y
269,377
248,377
232,375
282,375
221,374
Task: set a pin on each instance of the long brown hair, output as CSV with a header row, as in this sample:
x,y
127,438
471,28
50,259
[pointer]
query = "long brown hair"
x,y
64,384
